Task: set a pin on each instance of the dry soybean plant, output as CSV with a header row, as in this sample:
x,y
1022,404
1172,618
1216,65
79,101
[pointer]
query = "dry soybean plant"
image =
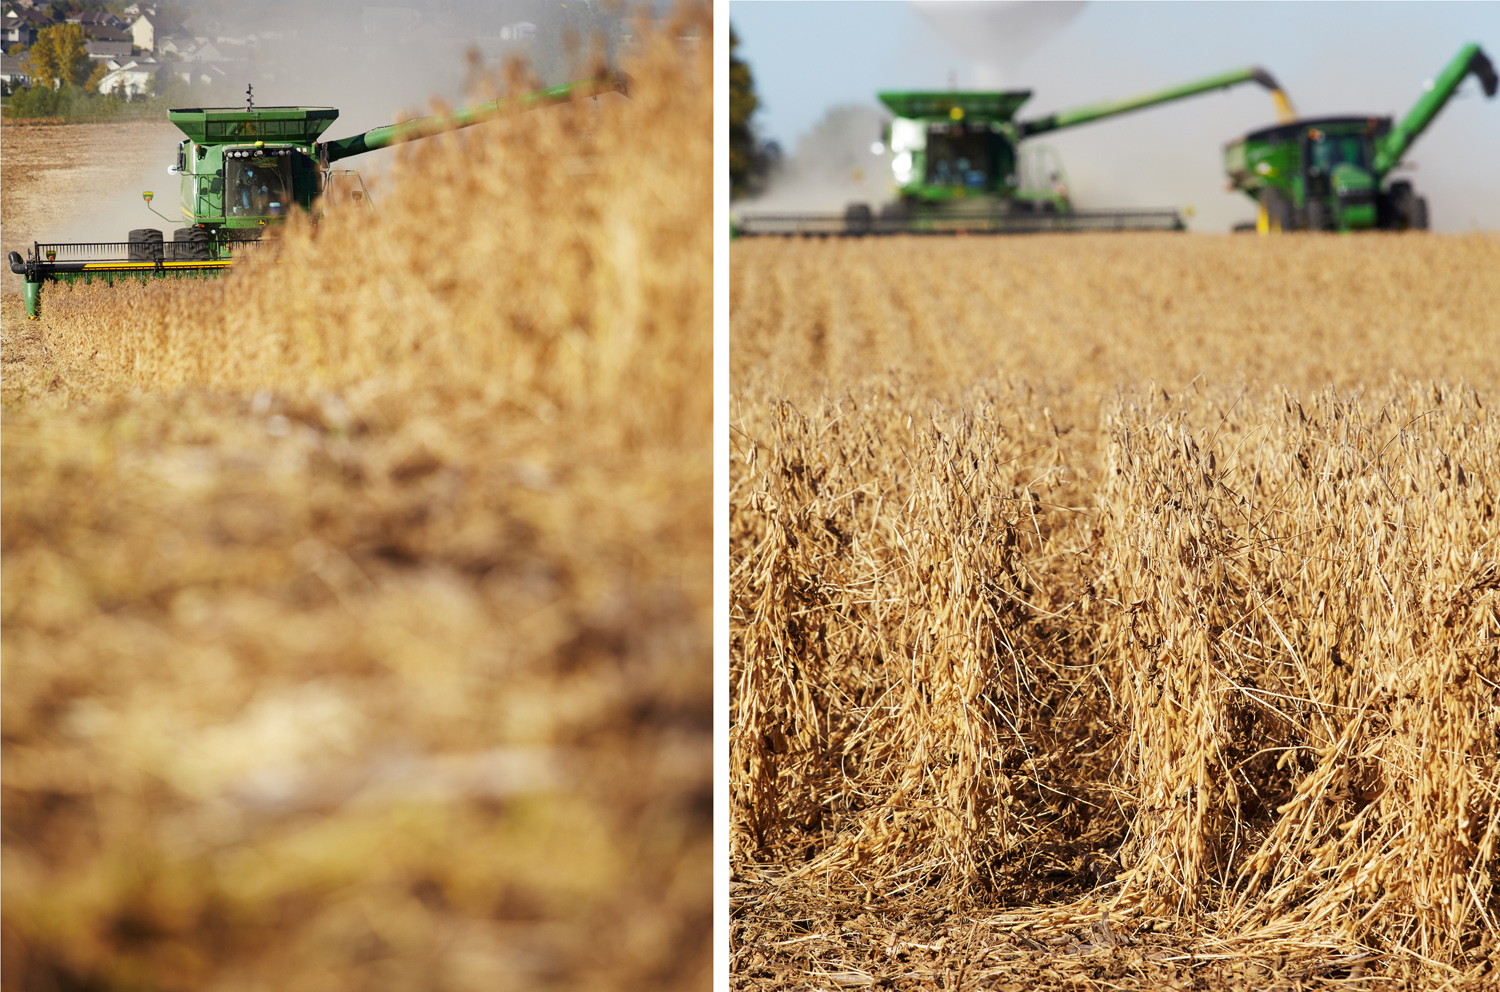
x,y
1162,624
1307,648
356,608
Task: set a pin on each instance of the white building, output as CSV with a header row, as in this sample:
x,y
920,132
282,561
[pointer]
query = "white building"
x,y
132,79
150,29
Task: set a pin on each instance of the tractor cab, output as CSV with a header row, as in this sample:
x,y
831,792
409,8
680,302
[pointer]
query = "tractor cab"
x,y
1313,174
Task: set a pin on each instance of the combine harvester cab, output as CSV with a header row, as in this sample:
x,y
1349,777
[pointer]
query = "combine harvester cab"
x,y
959,165
1330,173
241,171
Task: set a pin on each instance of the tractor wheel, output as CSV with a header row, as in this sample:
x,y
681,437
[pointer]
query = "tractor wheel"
x,y
1400,199
1319,217
145,245
191,244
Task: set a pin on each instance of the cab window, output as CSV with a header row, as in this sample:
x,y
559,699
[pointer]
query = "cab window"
x,y
257,187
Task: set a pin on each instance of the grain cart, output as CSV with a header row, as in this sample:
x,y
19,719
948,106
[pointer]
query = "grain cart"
x,y
243,170
1329,173
959,164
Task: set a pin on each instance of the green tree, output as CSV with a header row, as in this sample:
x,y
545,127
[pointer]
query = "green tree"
x,y
742,104
750,161
58,58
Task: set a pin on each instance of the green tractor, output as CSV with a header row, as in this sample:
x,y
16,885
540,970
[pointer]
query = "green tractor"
x,y
961,162
1330,174
243,170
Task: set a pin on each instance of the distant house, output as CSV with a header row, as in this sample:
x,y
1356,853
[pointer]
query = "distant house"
x,y
175,44
206,51
13,75
22,26
519,31
103,50
222,30
150,29
197,73
91,19
132,79
104,32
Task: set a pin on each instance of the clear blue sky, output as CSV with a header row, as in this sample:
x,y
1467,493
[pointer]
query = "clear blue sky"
x,y
809,56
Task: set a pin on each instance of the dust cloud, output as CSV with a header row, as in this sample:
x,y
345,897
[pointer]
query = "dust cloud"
x,y
842,160
995,37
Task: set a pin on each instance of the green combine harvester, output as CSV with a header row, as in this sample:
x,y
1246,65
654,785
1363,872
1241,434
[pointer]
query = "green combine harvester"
x,y
242,171
1329,174
959,164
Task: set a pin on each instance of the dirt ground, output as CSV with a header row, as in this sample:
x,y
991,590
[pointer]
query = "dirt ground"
x,y
50,174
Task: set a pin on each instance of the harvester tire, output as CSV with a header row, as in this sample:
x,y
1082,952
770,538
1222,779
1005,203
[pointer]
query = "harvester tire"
x,y
1319,218
145,244
858,219
894,216
190,244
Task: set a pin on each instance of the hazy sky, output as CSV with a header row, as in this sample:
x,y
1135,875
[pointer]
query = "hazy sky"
x,y
809,56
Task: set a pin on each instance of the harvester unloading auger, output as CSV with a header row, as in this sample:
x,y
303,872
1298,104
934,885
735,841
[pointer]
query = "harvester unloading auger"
x,y
1329,174
242,170
958,164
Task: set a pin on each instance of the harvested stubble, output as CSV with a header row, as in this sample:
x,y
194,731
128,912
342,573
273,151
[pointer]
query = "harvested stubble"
x,y
1162,579
356,608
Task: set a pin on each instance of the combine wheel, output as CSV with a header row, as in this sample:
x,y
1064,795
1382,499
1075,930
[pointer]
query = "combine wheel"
x,y
893,217
190,244
1419,214
1318,216
145,245
858,219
